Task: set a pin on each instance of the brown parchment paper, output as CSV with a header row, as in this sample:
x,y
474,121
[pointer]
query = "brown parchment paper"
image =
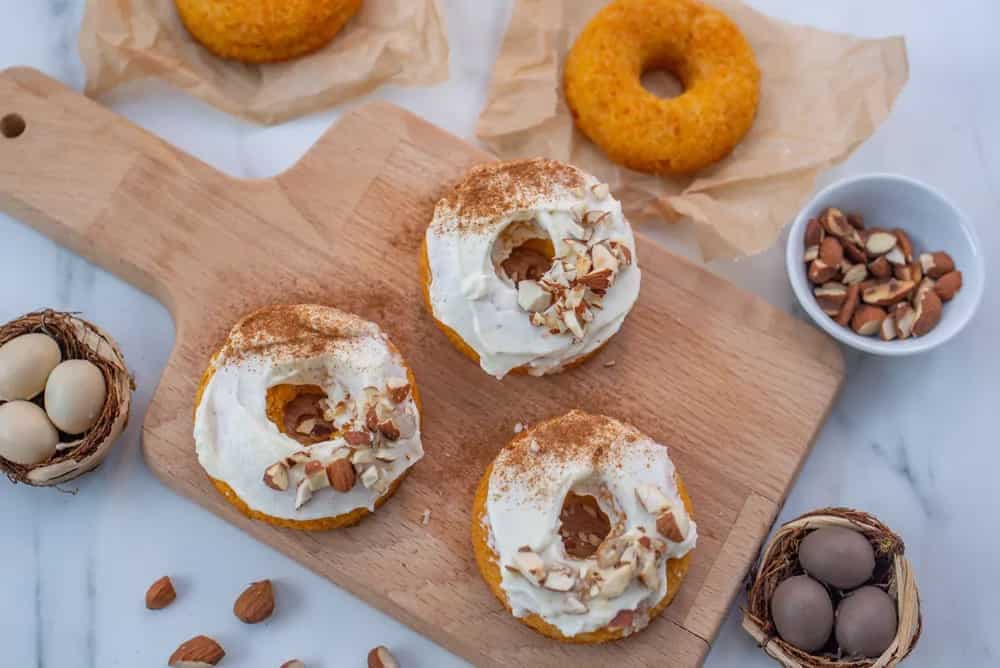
x,y
387,42
822,94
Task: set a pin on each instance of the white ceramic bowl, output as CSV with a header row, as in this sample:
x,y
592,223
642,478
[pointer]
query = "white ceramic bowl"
x,y
933,223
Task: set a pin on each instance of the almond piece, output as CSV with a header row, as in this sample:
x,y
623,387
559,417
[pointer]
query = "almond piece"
x,y
572,605
937,264
296,458
948,285
895,256
867,320
294,663
831,297
560,580
603,258
928,312
341,475
316,476
855,253
397,389
856,220
880,243
600,190
850,305
529,564
532,297
888,292
389,430
357,438
256,603
652,498
831,252
673,526
904,272
904,243
880,267
904,315
887,332
369,477
855,274
276,476
381,657
835,222
616,581
622,620
160,594
596,280
813,234
820,272
200,650
302,493
812,252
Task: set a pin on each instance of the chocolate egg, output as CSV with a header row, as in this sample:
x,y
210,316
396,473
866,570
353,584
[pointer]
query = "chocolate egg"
x,y
25,363
802,612
74,395
840,557
26,435
866,623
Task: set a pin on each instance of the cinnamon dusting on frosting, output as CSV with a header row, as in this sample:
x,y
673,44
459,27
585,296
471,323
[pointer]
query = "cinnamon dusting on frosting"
x,y
495,189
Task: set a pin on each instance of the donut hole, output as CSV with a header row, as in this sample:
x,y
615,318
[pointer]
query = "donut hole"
x,y
583,525
661,82
297,411
522,251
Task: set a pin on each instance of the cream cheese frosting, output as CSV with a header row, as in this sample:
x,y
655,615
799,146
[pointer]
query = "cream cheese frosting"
x,y
469,237
353,362
632,479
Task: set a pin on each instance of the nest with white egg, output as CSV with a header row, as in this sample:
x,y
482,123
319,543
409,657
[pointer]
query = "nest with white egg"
x,y
780,561
74,453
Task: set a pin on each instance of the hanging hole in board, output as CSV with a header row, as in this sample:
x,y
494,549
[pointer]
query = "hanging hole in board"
x,y
12,126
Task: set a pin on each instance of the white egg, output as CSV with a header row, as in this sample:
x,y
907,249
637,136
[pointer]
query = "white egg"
x,y
25,364
26,435
74,395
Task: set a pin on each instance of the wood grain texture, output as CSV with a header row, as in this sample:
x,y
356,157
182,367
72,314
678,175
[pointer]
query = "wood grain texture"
x,y
737,388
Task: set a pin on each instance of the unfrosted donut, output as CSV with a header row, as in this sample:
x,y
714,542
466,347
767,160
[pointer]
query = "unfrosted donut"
x,y
701,46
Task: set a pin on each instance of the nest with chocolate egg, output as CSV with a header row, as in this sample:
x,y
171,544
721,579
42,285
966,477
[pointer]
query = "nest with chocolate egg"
x,y
65,395
834,582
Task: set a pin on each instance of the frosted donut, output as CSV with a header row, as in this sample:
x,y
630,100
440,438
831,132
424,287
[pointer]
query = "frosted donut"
x,y
529,266
582,528
701,46
307,417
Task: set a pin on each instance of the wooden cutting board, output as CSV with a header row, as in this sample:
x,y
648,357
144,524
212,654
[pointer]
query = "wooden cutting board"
x,y
736,388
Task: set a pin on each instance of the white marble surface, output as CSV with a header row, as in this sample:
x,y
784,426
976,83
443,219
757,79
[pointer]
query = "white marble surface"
x,y
911,440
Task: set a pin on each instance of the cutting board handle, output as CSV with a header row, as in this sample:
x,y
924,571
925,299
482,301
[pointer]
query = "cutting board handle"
x,y
66,164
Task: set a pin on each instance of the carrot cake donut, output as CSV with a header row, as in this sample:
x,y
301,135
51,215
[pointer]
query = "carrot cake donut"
x,y
308,417
265,31
529,266
582,528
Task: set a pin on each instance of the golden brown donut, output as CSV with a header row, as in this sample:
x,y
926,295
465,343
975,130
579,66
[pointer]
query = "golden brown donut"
x,y
701,46
265,31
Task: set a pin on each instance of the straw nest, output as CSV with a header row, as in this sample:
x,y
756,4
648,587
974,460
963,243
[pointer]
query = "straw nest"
x,y
77,339
779,561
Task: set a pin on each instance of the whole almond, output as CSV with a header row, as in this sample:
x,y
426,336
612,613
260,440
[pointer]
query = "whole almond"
x,y
948,285
160,594
198,650
831,252
814,233
256,603
341,474
380,657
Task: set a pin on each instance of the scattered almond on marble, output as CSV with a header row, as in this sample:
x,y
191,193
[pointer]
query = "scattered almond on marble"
x,y
294,663
160,594
197,652
872,280
256,603
381,657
